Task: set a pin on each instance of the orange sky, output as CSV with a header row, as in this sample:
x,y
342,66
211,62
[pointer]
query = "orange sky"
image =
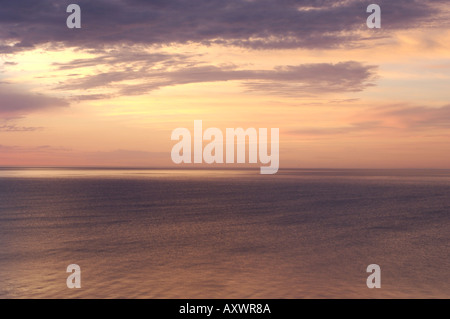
x,y
381,102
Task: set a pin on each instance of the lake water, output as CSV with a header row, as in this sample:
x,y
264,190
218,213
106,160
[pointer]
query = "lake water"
x,y
224,233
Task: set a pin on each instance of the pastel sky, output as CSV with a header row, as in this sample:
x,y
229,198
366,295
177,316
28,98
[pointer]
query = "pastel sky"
x,y
111,93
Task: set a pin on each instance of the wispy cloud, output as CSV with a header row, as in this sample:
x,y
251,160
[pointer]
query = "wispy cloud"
x,y
417,117
32,149
129,57
300,79
54,155
333,131
15,128
390,118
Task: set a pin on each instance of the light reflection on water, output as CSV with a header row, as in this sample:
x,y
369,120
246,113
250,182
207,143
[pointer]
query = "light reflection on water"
x,y
119,172
224,233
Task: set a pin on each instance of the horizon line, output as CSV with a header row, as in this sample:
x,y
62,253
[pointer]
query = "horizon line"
x,y
107,167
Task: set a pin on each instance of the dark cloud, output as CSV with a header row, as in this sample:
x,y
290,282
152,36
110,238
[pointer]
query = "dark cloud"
x,y
256,24
16,103
300,79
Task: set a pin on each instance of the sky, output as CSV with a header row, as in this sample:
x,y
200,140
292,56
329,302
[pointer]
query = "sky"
x,y
111,93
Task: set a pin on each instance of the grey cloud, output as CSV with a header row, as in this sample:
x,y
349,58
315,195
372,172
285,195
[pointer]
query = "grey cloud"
x,y
306,78
129,57
16,103
91,97
257,24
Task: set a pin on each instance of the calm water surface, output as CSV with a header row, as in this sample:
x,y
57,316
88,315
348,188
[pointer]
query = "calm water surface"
x,y
224,233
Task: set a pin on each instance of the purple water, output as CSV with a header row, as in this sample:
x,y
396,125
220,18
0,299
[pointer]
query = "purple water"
x,y
224,233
